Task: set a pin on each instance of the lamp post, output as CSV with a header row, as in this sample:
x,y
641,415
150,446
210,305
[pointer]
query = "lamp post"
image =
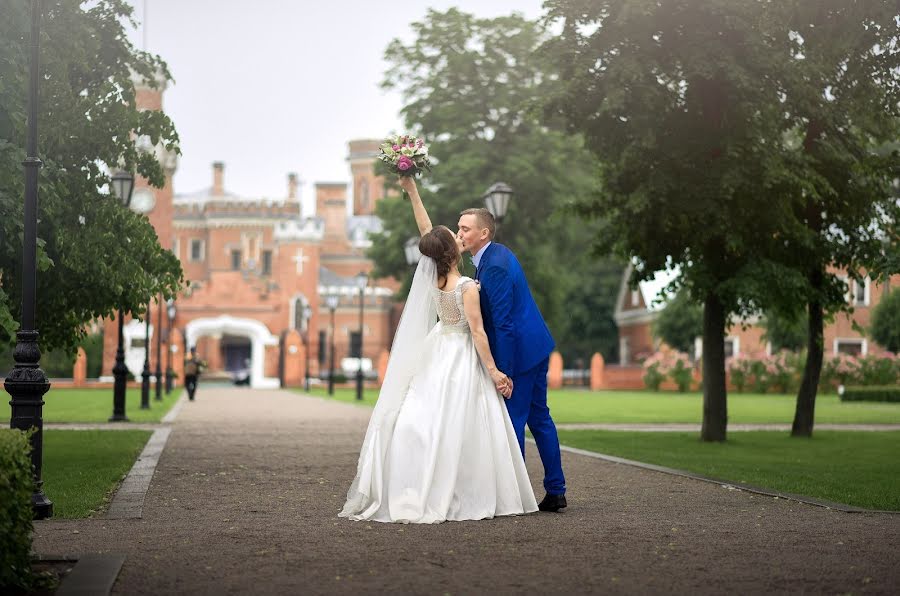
x,y
496,199
307,315
122,186
170,374
158,349
331,301
26,382
145,376
362,280
411,250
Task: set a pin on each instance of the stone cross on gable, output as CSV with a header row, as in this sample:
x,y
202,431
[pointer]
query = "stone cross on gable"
x,y
300,259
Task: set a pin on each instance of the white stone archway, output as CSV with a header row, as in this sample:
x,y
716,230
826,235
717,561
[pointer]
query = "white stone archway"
x,y
259,336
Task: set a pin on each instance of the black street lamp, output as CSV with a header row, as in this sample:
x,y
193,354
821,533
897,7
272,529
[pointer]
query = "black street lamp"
x,y
26,382
362,280
122,186
170,374
496,199
158,349
332,302
145,376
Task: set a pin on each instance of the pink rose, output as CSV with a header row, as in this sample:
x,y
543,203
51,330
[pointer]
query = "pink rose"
x,y
404,163
396,147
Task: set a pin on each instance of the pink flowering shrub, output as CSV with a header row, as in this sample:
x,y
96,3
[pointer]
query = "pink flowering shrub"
x,y
674,365
653,378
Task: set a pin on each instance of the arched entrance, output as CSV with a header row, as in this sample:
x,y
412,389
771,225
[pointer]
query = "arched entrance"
x,y
255,332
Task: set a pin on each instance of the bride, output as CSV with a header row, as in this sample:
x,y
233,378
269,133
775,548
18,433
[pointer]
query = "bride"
x,y
440,445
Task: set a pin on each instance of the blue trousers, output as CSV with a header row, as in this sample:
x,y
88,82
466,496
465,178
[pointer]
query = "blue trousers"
x,y
528,405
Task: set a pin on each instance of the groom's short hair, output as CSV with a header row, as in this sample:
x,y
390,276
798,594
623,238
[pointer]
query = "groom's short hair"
x,y
484,217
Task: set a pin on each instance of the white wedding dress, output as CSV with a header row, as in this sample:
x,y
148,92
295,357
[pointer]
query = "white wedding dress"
x,y
440,445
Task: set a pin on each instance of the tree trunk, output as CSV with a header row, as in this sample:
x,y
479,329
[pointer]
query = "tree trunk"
x,y
715,397
804,415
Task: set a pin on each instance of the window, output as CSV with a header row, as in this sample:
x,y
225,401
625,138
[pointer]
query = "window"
x,y
299,308
196,249
851,346
364,195
860,292
267,262
635,297
732,347
235,260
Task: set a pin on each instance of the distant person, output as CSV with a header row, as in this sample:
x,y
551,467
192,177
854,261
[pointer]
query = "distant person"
x,y
192,369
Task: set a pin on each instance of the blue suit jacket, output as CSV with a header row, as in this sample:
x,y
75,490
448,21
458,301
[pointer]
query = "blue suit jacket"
x,y
516,331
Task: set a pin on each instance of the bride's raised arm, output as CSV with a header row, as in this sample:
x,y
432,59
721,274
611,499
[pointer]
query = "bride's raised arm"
x,y
422,220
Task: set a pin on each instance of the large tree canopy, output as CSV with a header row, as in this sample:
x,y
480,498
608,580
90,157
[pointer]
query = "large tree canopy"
x,y
94,254
703,113
472,87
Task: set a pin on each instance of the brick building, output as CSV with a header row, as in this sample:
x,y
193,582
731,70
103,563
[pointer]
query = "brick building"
x,y
636,310
258,272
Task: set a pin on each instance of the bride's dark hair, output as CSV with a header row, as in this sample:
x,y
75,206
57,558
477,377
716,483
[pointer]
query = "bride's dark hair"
x,y
440,245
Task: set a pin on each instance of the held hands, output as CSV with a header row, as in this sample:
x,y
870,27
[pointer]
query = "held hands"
x,y
502,382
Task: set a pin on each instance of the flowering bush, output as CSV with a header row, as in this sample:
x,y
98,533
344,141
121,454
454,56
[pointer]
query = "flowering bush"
x,y
740,368
878,370
653,378
681,371
674,365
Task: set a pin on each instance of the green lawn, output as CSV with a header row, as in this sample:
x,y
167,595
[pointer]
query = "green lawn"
x,y
571,406
856,468
81,468
95,405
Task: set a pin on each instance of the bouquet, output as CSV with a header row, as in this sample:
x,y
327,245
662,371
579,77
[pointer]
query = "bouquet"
x,y
405,155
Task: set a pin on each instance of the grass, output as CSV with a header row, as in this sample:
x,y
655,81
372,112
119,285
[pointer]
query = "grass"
x,y
82,468
574,406
855,468
96,405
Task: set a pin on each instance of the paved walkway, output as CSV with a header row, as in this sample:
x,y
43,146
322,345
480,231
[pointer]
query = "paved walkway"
x,y
245,497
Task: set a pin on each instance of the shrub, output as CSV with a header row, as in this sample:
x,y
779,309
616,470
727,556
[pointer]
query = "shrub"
x,y
740,368
885,324
681,372
877,370
653,378
838,370
16,485
885,393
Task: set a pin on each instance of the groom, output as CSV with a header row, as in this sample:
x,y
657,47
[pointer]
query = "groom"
x,y
520,342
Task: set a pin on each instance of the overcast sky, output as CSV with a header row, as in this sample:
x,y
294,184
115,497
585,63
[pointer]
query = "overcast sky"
x,y
275,86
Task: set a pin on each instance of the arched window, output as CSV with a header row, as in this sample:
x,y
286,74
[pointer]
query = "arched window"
x,y
364,194
301,313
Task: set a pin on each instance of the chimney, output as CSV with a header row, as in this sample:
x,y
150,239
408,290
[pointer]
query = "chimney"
x,y
292,186
218,188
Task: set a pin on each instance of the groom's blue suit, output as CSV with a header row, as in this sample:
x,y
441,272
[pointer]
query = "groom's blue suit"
x,y
521,345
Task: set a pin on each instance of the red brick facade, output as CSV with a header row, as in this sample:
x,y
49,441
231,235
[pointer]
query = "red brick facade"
x,y
258,271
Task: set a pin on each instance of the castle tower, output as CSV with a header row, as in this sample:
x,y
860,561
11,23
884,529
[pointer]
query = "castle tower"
x,y
368,188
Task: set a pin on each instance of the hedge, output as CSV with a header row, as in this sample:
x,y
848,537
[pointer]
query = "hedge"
x,y
876,393
16,485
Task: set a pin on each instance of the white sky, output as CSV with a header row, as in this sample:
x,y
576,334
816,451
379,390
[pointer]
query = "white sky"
x,y
274,86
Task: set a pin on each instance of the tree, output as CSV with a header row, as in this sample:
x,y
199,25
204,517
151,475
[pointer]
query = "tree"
x,y
680,323
471,87
692,107
785,331
885,325
95,255
842,101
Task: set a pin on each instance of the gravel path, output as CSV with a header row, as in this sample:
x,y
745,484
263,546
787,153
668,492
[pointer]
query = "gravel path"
x,y
245,498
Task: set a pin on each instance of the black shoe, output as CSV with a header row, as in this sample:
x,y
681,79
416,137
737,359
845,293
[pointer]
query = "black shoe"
x,y
553,503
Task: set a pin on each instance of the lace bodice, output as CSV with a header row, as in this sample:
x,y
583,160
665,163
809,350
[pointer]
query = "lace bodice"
x,y
450,304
